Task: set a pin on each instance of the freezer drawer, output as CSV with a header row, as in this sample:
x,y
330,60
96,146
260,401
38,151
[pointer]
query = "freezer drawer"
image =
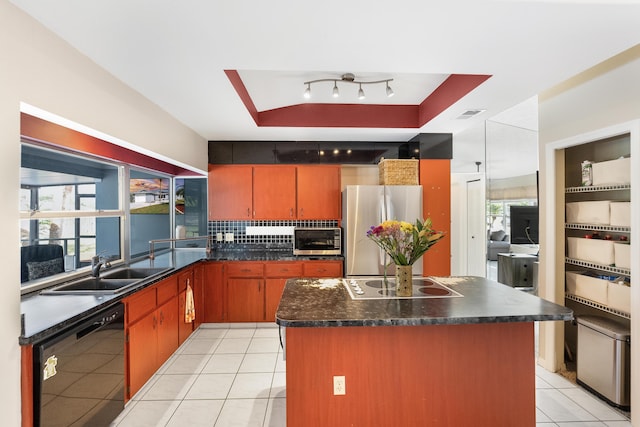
x,y
604,351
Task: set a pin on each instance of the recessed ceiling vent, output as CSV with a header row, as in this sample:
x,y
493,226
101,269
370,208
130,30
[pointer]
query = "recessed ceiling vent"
x,y
470,113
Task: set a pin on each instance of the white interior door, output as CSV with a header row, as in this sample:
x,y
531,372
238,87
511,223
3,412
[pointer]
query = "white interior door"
x,y
476,230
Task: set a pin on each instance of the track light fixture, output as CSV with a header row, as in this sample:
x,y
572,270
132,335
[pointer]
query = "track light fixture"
x,y
348,78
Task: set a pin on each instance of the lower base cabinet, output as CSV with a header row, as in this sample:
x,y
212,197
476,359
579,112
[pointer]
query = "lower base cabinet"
x,y
154,328
249,291
245,300
213,292
141,340
168,327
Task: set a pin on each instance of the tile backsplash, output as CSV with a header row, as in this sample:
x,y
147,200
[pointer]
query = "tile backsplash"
x,y
260,231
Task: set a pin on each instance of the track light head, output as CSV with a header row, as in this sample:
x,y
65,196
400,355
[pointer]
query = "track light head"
x,y
307,91
389,90
336,92
361,93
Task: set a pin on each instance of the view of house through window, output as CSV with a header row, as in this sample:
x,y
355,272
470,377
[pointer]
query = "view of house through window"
x,y
150,208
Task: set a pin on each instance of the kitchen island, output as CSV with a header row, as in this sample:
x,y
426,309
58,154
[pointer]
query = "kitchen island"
x,y
463,360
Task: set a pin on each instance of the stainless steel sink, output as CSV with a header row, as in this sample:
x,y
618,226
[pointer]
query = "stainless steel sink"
x,y
92,285
111,282
132,273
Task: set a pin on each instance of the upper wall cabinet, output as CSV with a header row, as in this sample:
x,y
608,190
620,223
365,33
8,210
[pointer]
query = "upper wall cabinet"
x,y
318,192
230,192
240,192
274,192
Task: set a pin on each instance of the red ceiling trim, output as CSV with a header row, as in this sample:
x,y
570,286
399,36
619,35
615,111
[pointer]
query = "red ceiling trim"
x,y
454,88
37,129
242,92
341,115
448,93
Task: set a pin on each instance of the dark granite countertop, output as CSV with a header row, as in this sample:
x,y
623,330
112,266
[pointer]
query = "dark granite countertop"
x,y
326,303
46,315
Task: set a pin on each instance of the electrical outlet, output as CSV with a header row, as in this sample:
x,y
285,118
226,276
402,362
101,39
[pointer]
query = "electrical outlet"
x,y
228,237
219,237
339,386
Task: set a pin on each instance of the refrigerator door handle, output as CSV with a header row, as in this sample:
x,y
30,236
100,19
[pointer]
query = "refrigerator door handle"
x,y
383,212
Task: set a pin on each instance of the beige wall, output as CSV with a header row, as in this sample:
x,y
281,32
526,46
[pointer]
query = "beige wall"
x,y
604,96
39,69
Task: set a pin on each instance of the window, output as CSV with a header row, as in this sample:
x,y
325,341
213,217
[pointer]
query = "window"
x,y
498,218
150,201
76,206
191,211
69,201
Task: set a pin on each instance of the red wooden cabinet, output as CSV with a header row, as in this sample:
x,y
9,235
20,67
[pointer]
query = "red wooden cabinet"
x,y
435,178
151,328
230,191
252,290
318,192
322,269
142,349
274,192
198,293
244,291
167,315
245,299
214,292
276,275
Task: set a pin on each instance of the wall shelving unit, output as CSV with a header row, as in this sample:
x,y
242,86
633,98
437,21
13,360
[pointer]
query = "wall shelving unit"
x,y
600,150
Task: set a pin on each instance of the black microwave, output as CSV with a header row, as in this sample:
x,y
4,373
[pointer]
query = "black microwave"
x,y
317,241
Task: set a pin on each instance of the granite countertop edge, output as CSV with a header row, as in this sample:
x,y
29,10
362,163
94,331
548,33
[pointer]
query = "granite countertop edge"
x,y
419,322
69,314
326,303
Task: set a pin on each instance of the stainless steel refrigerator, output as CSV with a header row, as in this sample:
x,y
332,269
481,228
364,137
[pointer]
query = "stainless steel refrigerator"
x,y
364,206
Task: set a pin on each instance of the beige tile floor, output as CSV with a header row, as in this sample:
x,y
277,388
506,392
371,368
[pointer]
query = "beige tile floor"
x,y
228,375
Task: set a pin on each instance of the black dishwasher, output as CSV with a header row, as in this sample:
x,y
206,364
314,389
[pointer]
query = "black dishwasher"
x,y
79,373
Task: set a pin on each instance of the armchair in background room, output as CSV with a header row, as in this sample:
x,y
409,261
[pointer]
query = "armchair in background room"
x,y
497,243
38,261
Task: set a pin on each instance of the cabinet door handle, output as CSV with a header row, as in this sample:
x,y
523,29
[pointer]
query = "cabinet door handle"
x,y
155,322
246,270
248,212
291,212
161,317
301,212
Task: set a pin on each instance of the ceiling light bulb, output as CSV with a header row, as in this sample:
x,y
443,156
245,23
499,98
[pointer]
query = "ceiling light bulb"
x,y
389,91
336,92
307,91
360,93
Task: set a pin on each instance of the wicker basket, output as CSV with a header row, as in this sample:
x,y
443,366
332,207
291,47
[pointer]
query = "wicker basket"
x,y
398,172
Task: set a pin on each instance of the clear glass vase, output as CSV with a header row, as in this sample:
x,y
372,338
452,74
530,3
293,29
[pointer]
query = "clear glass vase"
x,y
404,280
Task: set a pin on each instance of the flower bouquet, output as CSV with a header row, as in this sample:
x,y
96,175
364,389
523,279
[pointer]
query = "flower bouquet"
x,y
405,243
